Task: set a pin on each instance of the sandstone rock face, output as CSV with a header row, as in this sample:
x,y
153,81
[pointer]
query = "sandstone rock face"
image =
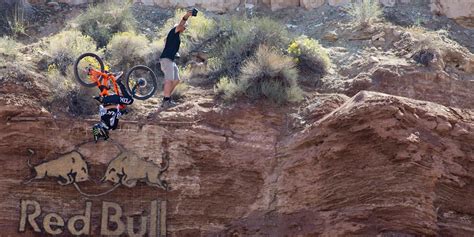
x,y
392,156
281,4
338,2
374,164
460,10
311,4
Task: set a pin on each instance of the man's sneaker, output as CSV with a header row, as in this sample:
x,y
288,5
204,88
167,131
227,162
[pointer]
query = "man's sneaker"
x,y
166,104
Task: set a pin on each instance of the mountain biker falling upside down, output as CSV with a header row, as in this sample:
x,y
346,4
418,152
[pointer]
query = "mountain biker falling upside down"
x,y
111,109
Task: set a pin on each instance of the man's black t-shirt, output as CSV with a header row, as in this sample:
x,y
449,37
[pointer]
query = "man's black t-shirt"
x,y
172,45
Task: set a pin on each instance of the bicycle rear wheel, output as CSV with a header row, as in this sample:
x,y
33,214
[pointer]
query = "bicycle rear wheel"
x,y
145,81
84,64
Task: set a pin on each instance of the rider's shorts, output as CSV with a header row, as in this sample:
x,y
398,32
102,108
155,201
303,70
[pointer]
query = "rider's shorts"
x,y
170,69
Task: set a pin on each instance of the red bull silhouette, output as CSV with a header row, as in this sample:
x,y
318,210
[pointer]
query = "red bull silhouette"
x,y
68,169
128,169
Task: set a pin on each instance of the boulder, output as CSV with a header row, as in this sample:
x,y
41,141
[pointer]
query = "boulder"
x,y
338,2
462,11
311,4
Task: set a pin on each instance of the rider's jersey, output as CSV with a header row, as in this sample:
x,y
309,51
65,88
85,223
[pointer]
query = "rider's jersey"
x,y
110,117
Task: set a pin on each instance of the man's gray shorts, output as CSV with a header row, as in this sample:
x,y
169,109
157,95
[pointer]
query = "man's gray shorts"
x,y
170,69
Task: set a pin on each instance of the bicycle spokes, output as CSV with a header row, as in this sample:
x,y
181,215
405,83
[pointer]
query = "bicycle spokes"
x,y
88,68
141,82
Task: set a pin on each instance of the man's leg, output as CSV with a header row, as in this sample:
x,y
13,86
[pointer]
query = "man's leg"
x,y
176,78
168,70
169,87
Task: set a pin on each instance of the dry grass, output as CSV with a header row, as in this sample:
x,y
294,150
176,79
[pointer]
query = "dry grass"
x,y
104,20
244,38
66,46
126,50
267,75
365,12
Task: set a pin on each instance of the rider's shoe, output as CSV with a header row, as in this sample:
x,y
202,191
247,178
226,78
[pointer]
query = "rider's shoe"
x,y
99,132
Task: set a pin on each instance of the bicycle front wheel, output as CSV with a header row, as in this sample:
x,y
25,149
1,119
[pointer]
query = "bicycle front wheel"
x,y
83,67
144,80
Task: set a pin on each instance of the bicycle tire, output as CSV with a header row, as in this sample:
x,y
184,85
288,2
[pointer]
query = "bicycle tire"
x,y
153,81
76,69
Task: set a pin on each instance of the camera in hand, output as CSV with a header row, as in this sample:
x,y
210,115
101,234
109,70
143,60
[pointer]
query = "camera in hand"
x,y
195,12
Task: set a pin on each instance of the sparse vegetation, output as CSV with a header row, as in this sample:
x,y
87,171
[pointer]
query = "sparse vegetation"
x,y
267,75
104,20
63,84
310,56
153,56
245,36
227,88
365,12
68,93
17,22
127,49
66,46
9,47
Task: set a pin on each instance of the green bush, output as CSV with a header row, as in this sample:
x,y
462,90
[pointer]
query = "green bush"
x,y
310,56
227,88
267,75
9,47
67,93
66,46
102,21
126,50
244,38
365,12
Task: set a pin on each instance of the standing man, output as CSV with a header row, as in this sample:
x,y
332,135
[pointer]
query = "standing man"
x,y
168,66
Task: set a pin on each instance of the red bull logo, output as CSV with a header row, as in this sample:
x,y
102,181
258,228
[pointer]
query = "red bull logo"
x,y
153,224
126,169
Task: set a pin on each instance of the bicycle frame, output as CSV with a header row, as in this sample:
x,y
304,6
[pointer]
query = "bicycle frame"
x,y
96,77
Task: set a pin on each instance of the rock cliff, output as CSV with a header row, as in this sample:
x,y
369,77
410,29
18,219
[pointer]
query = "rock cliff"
x,y
373,164
460,10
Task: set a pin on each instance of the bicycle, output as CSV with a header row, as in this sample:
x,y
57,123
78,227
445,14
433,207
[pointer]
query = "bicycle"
x,y
89,71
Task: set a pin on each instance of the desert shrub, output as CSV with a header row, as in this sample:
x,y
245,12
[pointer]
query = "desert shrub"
x,y
102,21
9,47
127,49
67,93
267,75
227,88
244,38
365,12
63,84
201,29
17,22
310,56
152,57
66,46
